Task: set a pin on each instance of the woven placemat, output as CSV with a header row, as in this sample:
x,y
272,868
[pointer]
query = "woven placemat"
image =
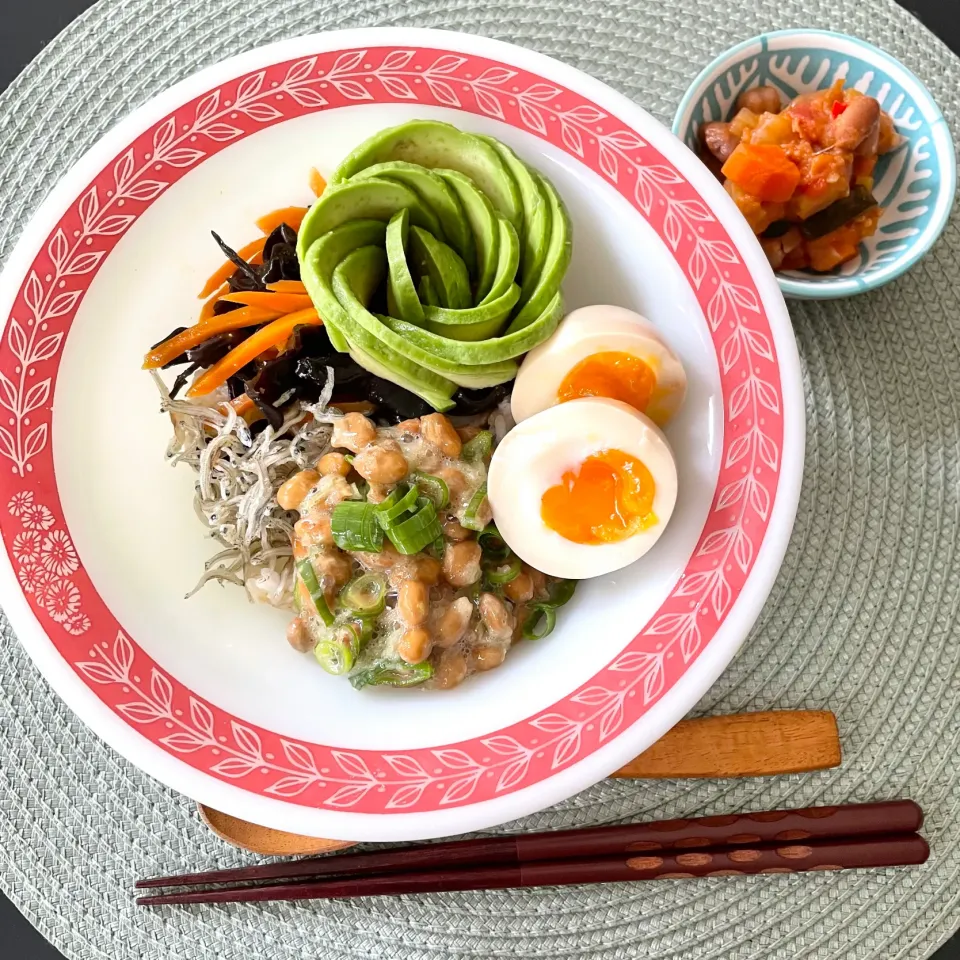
x,y
862,619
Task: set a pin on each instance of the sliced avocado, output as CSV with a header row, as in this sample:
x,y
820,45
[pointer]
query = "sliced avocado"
x,y
509,254
473,375
554,265
461,234
440,262
475,323
433,144
362,200
468,377
439,401
428,293
536,217
354,325
436,194
485,351
354,281
355,277
316,270
360,272
402,299
483,222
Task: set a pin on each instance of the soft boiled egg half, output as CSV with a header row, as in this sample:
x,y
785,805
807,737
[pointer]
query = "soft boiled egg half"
x,y
582,488
602,351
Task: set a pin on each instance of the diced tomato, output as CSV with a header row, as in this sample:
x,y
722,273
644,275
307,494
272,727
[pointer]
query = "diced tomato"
x,y
837,109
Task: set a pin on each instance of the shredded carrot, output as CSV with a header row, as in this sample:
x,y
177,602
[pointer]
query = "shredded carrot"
x,y
317,182
206,311
281,302
361,406
199,332
291,216
288,286
242,405
252,253
251,348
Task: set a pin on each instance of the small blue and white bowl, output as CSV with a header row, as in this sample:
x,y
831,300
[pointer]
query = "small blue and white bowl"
x,y
915,183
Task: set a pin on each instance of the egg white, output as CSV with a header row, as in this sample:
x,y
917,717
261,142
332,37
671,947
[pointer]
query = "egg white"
x,y
534,457
591,330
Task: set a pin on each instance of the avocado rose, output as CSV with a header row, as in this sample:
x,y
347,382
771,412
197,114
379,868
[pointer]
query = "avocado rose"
x,y
435,258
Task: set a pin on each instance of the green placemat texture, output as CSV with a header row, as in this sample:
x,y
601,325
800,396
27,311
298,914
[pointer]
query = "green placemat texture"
x,y
863,618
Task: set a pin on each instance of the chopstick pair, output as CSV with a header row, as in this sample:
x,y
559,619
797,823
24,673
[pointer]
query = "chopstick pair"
x,y
779,841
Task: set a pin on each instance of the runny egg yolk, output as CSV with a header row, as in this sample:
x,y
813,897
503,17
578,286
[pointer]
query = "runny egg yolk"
x,y
608,499
612,374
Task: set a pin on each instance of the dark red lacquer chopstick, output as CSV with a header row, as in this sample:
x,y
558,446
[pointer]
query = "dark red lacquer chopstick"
x,y
853,820
815,855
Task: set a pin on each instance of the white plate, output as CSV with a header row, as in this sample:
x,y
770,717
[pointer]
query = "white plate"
x,y
205,694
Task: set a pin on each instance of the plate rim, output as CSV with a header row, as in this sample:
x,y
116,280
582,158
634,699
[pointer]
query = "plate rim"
x,y
132,744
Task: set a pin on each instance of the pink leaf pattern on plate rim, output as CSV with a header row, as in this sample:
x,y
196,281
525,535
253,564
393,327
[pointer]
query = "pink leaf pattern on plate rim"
x,y
199,733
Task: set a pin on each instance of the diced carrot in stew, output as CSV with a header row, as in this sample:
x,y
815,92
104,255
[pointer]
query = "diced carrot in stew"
x,y
834,248
763,170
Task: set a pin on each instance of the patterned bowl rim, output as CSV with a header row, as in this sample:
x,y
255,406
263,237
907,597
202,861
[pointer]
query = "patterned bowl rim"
x,y
201,750
827,287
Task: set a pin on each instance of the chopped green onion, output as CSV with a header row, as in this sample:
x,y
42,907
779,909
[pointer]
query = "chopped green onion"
x,y
414,533
562,592
391,498
434,488
396,505
478,448
392,673
505,572
349,458
471,520
493,545
533,629
365,596
543,616
354,526
308,577
338,647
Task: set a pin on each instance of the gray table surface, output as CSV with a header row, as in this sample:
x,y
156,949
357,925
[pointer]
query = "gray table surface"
x,y
24,29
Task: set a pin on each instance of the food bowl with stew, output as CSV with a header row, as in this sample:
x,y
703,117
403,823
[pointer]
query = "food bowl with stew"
x,y
836,154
